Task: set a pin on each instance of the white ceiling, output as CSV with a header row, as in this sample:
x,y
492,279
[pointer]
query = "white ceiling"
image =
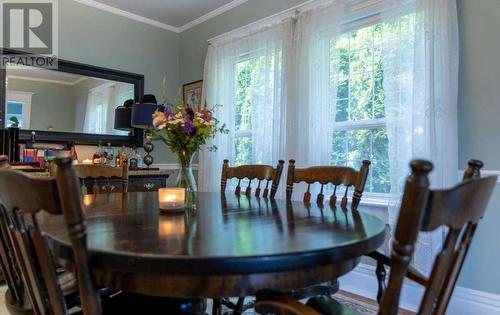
x,y
43,75
174,15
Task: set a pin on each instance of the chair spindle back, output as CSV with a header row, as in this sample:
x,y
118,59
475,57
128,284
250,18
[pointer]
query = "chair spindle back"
x,y
261,173
335,175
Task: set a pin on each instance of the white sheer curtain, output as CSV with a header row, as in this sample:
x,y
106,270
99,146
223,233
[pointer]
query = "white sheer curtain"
x,y
420,64
265,92
309,122
101,104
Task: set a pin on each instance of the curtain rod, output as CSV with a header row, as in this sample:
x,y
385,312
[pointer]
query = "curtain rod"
x,y
270,20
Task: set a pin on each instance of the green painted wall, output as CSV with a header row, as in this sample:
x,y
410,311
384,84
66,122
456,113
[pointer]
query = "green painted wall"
x,y
100,38
479,128
51,104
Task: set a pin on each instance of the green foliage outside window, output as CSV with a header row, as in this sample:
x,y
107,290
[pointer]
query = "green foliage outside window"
x,y
356,81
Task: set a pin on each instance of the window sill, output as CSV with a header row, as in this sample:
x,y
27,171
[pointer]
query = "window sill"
x,y
379,200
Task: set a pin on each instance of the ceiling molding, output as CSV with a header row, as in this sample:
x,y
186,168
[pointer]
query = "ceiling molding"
x,y
18,77
79,80
220,10
132,16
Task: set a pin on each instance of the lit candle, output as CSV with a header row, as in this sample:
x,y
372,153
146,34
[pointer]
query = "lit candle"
x,y
87,161
171,199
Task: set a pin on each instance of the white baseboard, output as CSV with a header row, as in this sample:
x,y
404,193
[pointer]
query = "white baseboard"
x,y
171,166
362,281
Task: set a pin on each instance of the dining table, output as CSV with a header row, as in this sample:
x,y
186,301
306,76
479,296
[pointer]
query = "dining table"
x,y
227,245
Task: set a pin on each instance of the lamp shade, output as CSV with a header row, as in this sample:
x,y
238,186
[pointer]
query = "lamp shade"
x,y
142,114
123,116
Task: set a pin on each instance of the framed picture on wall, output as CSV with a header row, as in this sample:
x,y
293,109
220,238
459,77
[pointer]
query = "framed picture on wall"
x,y
191,93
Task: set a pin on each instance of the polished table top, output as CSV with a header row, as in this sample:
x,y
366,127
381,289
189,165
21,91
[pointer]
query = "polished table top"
x,y
227,235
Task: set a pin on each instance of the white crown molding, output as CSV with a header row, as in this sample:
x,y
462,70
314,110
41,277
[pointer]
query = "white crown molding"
x,y
132,16
79,80
220,10
21,92
362,281
18,77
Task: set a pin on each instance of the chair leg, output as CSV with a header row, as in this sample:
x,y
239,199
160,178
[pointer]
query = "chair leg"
x,y
334,286
381,275
217,307
238,309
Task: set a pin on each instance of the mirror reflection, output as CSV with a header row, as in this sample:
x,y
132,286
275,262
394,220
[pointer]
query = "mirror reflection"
x,y
41,99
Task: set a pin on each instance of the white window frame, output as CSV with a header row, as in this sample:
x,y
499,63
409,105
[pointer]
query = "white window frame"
x,y
21,97
372,198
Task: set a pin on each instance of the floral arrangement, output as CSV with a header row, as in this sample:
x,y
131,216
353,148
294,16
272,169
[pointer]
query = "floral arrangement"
x,y
185,130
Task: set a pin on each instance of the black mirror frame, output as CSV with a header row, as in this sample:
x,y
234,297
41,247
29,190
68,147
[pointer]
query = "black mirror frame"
x,y
135,138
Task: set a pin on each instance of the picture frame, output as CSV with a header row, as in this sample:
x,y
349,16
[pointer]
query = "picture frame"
x,y
191,94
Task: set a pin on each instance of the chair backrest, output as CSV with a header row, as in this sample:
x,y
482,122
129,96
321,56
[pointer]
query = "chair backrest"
x,y
260,173
459,209
22,197
8,262
94,172
335,175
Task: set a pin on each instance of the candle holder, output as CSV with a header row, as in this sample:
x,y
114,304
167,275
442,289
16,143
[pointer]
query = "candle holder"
x,y
171,200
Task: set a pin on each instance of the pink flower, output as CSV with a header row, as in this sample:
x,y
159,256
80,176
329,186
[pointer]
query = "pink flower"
x,y
159,120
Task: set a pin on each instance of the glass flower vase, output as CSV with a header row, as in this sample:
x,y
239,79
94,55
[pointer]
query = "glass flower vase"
x,y
186,179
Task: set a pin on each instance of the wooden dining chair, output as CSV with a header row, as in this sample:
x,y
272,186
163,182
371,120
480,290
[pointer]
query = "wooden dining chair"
x,y
261,173
15,298
422,210
21,198
324,175
92,173
382,259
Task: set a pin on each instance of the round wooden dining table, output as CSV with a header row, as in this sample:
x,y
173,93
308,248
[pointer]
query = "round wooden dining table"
x,y
227,246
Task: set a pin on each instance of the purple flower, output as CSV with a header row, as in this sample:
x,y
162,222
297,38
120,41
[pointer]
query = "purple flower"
x,y
168,111
188,127
189,113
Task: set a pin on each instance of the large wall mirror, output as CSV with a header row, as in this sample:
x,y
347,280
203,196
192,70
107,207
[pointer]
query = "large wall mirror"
x,y
74,101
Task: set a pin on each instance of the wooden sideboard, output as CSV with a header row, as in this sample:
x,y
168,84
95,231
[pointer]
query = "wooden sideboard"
x,y
139,181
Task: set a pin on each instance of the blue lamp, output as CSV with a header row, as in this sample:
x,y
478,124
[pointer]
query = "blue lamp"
x,y
123,116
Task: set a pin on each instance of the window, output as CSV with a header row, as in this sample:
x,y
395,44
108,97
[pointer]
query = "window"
x,y
18,109
101,103
256,95
243,114
356,86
